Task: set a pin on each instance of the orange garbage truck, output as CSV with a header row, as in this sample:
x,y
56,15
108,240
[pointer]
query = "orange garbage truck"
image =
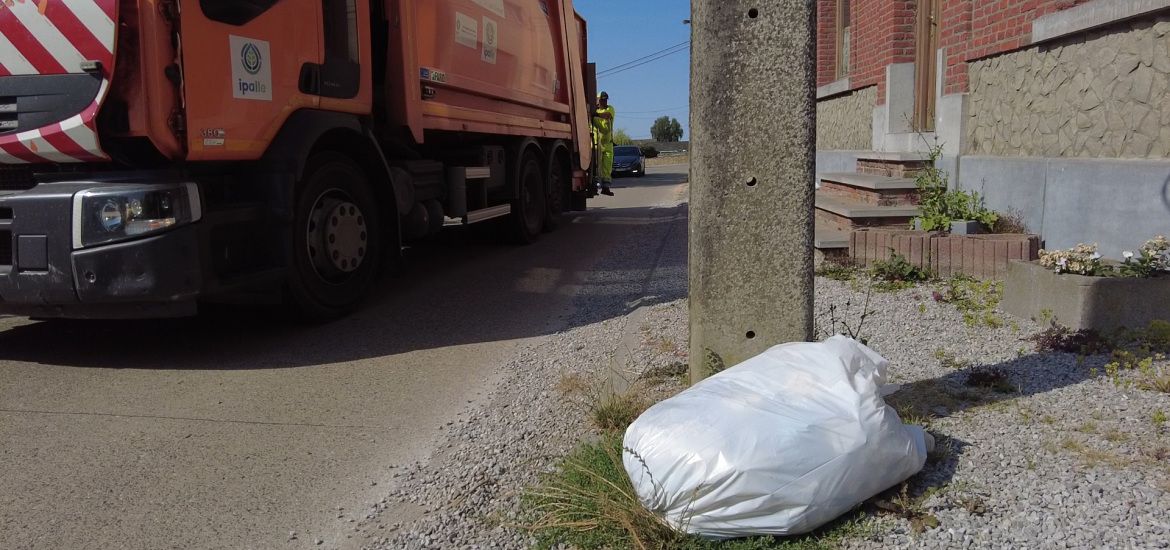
x,y
160,154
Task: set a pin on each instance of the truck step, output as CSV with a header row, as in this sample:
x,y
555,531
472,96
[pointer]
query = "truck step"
x,y
476,216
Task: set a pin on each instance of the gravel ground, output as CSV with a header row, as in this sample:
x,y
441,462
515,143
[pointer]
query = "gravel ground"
x,y
470,492
1069,460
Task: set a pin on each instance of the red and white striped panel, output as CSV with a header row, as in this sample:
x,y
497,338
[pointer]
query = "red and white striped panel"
x,y
55,37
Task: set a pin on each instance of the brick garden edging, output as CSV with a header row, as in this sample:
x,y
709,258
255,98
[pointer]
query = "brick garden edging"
x,y
980,256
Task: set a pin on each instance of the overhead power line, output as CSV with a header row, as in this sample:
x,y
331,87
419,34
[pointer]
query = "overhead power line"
x,y
645,59
651,60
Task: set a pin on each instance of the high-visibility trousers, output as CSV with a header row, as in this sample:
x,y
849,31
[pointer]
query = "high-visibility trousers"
x,y
605,164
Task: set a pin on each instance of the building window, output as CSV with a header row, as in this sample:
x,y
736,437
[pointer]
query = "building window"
x,y
843,38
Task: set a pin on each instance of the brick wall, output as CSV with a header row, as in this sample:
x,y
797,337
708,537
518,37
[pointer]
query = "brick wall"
x,y
883,33
826,41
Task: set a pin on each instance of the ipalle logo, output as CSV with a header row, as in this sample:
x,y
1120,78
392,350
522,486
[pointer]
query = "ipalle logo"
x,y
254,87
250,57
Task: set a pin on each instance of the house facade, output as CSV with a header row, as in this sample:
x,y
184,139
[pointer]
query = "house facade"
x,y
1058,110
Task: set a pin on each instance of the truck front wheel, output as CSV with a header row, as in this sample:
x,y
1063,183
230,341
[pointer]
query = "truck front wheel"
x,y
337,238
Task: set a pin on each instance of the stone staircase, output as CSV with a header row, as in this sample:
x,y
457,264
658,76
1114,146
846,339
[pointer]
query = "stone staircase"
x,y
881,193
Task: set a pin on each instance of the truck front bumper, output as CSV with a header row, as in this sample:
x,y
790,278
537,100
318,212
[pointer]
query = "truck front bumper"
x,y
43,273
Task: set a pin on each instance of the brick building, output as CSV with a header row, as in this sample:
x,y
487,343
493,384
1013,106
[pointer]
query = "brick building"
x,y
1058,109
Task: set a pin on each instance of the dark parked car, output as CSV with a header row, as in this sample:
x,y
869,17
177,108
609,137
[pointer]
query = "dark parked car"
x,y
629,160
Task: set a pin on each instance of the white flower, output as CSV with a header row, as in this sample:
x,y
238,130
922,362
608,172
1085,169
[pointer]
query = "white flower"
x,y
1062,262
1127,254
1095,256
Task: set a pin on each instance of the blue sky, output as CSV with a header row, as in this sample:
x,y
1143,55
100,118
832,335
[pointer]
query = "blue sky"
x,y
625,30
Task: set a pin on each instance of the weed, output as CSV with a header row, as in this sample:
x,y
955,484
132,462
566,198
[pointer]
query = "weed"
x,y
1159,454
910,508
1158,417
944,449
1115,436
975,299
948,360
1048,419
839,269
974,505
1010,222
992,378
1072,445
1059,338
608,410
1087,427
617,411
841,318
897,273
673,371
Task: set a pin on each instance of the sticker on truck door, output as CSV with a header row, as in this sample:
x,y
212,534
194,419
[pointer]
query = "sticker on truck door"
x,y
466,30
251,70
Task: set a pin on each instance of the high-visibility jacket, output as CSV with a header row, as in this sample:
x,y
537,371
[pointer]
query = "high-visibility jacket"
x,y
603,127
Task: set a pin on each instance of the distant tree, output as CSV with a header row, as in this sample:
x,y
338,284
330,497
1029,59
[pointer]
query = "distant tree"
x,y
620,137
666,129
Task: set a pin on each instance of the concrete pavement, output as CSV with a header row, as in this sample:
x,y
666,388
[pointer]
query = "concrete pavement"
x,y
234,429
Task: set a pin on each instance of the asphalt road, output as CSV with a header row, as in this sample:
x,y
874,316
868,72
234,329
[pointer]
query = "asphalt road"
x,y
233,429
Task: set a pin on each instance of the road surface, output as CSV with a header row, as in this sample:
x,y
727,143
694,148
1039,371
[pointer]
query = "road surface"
x,y
234,429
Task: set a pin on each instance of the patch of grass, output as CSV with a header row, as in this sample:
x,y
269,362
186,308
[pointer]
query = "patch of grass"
x,y
1158,417
1088,427
1048,419
588,501
975,299
1072,445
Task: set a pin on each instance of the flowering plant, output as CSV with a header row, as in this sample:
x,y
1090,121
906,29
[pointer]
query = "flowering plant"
x,y
1152,257
1081,259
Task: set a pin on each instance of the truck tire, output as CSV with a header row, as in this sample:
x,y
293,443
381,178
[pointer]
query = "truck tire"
x,y
560,190
529,210
337,238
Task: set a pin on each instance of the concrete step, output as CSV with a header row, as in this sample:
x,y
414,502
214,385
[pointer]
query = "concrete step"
x,y
870,189
893,156
857,209
830,238
843,214
869,181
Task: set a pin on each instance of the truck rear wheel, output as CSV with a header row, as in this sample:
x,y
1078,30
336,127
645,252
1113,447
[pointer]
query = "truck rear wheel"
x,y
559,190
337,238
529,209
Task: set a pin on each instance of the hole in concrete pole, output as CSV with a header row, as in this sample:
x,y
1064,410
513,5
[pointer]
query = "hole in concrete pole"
x,y
753,13
751,334
752,182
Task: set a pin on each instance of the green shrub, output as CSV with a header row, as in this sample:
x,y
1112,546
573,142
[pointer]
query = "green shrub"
x,y
649,151
940,205
897,273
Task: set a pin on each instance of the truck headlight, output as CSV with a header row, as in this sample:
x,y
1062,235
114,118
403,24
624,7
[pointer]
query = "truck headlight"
x,y
117,213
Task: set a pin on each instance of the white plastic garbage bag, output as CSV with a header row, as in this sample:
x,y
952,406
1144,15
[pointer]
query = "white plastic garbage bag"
x,y
777,445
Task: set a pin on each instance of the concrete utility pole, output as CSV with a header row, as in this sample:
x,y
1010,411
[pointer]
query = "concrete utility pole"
x,y
753,129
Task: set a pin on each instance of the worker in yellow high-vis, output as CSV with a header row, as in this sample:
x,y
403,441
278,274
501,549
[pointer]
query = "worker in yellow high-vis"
x,y
603,141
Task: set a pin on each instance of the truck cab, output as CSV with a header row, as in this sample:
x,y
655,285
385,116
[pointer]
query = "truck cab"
x,y
158,155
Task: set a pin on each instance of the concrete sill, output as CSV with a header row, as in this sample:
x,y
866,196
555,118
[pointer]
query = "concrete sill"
x,y
833,88
1077,301
1091,15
